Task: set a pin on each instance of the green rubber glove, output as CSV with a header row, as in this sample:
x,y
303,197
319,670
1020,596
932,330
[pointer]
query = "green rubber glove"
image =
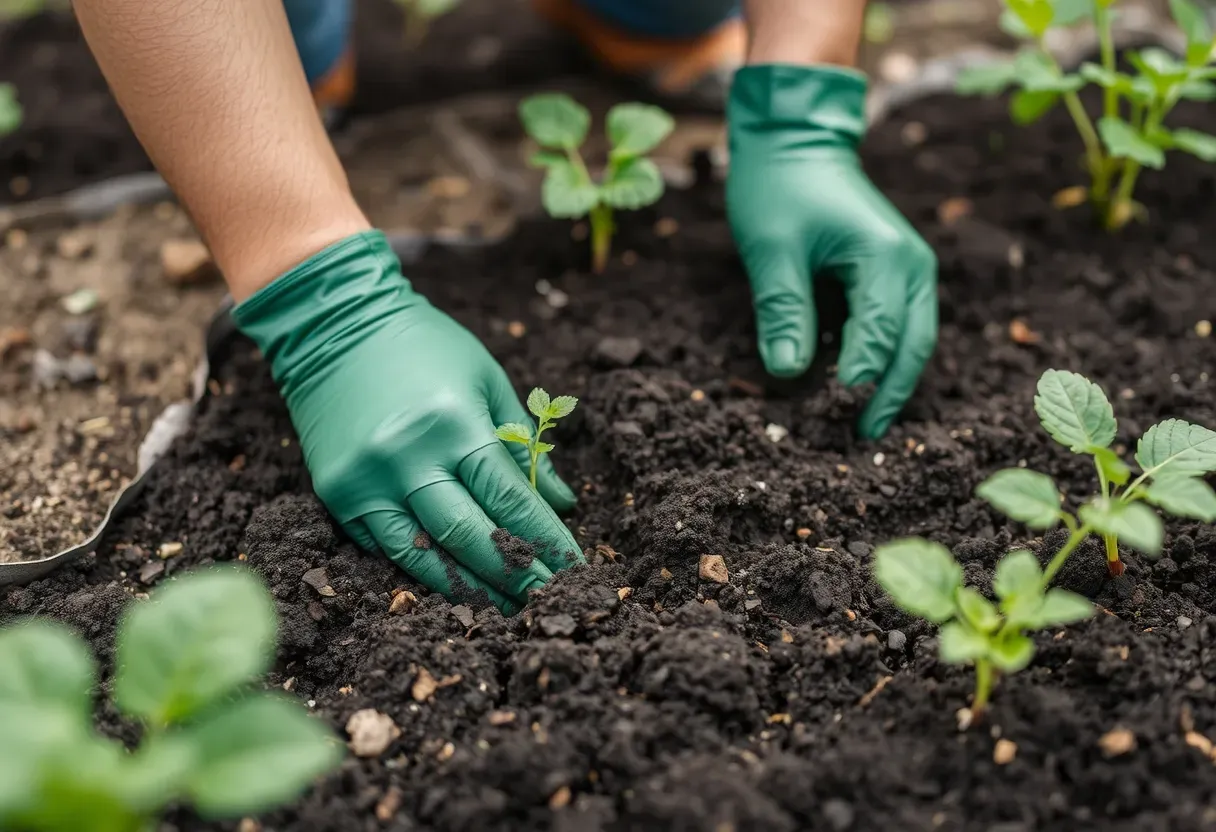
x,y
395,405
800,207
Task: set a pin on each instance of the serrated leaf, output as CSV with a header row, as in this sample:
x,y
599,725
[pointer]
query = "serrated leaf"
x,y
562,406
1074,411
1135,524
548,158
195,642
1037,72
1183,497
1113,468
538,402
45,662
986,79
1193,23
1177,447
1025,496
555,120
959,644
257,754
634,129
1196,143
920,576
544,447
514,432
567,192
1017,574
978,610
1035,15
632,184
1011,653
1063,607
1028,107
10,109
1125,142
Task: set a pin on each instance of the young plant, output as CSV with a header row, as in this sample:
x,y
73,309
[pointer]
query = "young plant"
x,y
419,14
186,663
10,109
1173,457
924,579
1130,134
547,411
559,124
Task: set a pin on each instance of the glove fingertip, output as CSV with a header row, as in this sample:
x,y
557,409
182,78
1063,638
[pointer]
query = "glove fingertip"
x,y
783,357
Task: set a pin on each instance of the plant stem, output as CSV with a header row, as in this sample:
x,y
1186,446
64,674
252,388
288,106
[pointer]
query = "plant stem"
x,y
983,688
535,456
1102,22
1095,158
1113,565
1057,562
601,237
1119,211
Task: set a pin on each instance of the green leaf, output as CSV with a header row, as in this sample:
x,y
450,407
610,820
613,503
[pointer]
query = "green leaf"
x,y
1011,653
514,432
1074,411
634,129
430,9
1198,90
257,754
1114,469
538,402
567,192
16,9
1035,15
1160,68
1013,26
562,406
46,663
1183,497
986,79
1017,574
1105,78
34,736
1071,12
1123,141
978,610
1025,496
920,576
555,120
195,642
632,184
958,644
548,158
1037,72
1028,107
544,447
157,773
1178,447
1193,23
1063,607
10,109
1196,143
1135,524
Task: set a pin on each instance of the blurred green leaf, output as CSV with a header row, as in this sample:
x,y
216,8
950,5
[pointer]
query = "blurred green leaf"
x,y
1025,496
920,576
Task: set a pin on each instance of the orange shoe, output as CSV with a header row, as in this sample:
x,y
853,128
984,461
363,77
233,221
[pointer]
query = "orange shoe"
x,y
697,69
333,91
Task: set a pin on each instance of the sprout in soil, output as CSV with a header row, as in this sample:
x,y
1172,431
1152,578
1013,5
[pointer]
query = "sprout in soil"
x,y
10,109
419,14
559,124
186,666
1130,134
547,411
924,579
1173,457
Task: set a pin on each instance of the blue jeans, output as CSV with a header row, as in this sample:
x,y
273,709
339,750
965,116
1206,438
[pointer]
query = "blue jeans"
x,y
322,27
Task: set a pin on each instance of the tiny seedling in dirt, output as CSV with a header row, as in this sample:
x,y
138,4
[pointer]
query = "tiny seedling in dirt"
x,y
1130,134
10,109
419,15
186,665
559,124
924,579
547,411
1173,456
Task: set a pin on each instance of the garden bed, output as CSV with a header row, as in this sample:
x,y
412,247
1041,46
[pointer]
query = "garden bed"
x,y
633,694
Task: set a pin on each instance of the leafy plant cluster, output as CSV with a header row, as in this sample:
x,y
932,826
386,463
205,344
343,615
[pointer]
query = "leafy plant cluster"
x,y
185,664
924,579
559,124
1130,134
547,411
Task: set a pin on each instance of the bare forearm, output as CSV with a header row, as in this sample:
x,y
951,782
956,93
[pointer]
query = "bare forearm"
x,y
216,94
804,31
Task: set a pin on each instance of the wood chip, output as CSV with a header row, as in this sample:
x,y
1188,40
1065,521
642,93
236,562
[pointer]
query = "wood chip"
x,y
424,686
388,805
665,574
448,187
446,752
403,602
560,799
516,329
371,732
869,695
1197,740
803,533
954,209
666,227
169,550
1117,741
12,337
1021,333
1004,752
779,719
713,568
1070,197
499,718
624,592
317,578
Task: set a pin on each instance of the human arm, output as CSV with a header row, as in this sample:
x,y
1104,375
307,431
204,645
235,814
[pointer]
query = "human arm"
x,y
801,206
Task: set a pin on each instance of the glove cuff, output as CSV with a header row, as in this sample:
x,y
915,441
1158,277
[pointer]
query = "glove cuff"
x,y
823,104
317,308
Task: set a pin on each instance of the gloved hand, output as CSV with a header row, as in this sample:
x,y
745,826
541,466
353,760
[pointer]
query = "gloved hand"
x,y
800,207
395,405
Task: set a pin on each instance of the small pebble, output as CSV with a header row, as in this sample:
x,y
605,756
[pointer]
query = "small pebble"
x,y
1117,742
880,458
516,329
1183,622
1004,752
775,433
1203,329
839,814
80,301
897,641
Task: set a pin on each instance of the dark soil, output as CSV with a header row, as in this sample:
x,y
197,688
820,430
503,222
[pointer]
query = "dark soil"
x,y
795,696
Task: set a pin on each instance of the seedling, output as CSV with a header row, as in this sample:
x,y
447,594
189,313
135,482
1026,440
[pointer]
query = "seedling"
x,y
1130,134
924,579
10,109
1173,457
186,663
419,14
559,124
547,411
